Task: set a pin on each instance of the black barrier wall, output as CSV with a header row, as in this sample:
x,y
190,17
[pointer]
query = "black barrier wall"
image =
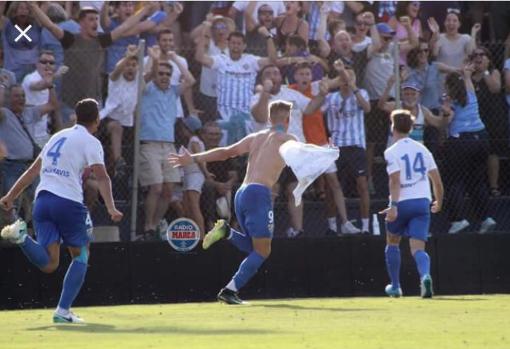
x,y
122,273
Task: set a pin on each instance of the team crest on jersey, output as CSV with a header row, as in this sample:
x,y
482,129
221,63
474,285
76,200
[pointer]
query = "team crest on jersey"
x,y
183,234
246,66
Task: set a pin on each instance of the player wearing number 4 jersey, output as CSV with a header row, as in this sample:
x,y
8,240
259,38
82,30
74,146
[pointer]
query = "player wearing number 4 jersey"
x,y
253,204
409,166
59,213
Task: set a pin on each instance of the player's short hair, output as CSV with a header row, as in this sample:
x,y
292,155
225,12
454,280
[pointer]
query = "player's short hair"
x,y
162,32
87,111
402,120
84,11
277,107
237,34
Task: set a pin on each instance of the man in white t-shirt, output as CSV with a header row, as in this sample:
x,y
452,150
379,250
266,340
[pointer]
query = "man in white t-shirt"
x,y
409,165
59,213
120,107
37,87
272,90
241,6
237,72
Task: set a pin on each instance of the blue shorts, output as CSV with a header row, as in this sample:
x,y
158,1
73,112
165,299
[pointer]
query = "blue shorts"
x,y
413,219
254,210
57,219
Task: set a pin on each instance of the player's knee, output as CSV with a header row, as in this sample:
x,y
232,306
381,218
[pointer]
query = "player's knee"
x,y
81,255
50,267
392,239
264,251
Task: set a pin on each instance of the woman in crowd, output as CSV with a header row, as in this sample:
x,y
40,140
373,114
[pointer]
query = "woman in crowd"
x,y
466,154
487,82
290,23
409,9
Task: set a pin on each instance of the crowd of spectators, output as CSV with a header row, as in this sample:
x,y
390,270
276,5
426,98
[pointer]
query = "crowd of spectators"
x,y
210,70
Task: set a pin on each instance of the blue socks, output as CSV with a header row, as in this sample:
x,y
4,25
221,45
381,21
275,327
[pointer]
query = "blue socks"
x,y
242,242
393,264
422,263
247,269
35,252
72,283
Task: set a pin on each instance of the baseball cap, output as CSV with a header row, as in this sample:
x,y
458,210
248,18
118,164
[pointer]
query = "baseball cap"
x,y
412,85
385,29
193,123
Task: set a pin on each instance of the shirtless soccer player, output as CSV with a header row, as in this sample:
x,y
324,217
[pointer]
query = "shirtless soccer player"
x,y
409,166
253,204
59,213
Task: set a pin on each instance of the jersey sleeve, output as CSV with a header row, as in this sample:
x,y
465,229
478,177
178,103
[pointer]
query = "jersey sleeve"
x,y
94,153
392,165
67,40
217,61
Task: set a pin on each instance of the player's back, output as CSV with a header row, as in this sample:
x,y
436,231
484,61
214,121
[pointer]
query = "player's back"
x,y
64,159
414,161
265,163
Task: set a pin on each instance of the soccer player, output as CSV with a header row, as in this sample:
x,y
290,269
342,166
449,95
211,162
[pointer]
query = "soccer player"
x,y
59,213
253,204
409,167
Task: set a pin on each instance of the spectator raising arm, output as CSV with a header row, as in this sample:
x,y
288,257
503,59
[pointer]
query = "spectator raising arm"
x,y
324,48
318,100
249,21
131,51
260,109
52,103
376,45
189,80
134,26
271,48
45,21
154,53
200,53
104,16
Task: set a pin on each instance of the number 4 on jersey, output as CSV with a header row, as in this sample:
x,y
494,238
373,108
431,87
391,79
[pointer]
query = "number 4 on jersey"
x,y
54,151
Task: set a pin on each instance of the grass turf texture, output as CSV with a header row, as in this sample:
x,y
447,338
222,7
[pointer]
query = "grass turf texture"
x,y
443,322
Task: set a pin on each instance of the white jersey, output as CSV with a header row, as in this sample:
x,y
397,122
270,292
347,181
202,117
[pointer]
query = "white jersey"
x,y
64,158
414,161
235,81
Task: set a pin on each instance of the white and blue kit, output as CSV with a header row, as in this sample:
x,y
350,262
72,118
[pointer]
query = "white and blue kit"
x,y
414,161
59,213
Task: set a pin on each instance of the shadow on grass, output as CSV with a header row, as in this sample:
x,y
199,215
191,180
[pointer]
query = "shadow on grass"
x,y
300,307
104,328
441,298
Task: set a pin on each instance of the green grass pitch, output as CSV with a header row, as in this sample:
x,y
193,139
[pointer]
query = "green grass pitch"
x,y
481,321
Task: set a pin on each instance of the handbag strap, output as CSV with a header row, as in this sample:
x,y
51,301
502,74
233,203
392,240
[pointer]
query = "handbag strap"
x,y
34,144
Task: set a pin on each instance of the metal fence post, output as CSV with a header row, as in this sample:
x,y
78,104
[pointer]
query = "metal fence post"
x,y
136,149
396,58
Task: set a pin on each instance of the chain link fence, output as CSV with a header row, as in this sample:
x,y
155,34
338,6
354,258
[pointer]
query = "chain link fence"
x,y
474,170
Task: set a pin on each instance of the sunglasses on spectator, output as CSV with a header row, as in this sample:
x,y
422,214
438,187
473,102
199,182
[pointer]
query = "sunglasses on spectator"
x,y
220,26
162,73
453,10
43,61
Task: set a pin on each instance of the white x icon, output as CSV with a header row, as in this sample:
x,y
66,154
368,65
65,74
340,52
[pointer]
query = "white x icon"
x,y
23,33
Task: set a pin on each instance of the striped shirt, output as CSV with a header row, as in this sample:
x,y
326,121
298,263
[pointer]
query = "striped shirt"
x,y
314,17
235,82
346,119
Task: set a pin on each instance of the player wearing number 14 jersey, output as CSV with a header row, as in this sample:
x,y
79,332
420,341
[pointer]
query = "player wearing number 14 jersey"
x,y
410,166
59,214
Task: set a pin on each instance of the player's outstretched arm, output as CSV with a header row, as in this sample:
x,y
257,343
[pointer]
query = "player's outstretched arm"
x,y
24,181
218,154
105,189
438,189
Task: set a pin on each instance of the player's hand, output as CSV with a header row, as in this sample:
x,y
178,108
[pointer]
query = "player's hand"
x,y
6,203
391,213
179,160
436,207
115,215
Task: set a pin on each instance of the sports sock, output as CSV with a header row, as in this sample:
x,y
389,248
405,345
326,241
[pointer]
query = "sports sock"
x,y
393,264
422,260
72,283
332,224
364,224
247,269
35,252
241,241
